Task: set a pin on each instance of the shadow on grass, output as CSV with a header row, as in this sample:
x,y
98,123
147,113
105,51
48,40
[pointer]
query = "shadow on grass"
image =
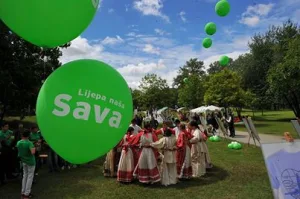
x,y
212,176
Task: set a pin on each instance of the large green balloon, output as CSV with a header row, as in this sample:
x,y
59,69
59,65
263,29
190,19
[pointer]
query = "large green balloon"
x,y
207,42
48,23
224,60
222,8
84,109
210,28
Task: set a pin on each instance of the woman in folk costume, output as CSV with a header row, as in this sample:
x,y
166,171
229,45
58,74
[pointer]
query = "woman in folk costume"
x,y
126,163
198,150
164,128
146,169
183,155
168,167
110,166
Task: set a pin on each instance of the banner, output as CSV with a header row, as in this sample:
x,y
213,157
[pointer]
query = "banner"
x,y
283,163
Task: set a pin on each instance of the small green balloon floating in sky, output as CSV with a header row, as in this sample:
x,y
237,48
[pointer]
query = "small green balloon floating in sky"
x,y
222,8
207,42
210,28
185,80
224,60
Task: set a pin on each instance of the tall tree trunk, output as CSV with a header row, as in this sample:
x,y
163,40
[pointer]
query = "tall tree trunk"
x,y
239,112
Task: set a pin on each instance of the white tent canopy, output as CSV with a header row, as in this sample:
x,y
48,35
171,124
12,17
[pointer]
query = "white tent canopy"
x,y
200,109
161,110
180,109
213,108
203,109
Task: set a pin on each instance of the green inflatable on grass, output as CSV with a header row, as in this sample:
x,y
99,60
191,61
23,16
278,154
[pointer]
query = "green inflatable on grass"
x,y
83,110
48,23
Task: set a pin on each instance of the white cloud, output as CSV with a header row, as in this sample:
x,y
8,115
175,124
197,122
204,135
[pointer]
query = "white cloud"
x,y
141,68
111,10
254,14
182,16
131,34
234,55
80,48
250,21
151,7
170,55
112,40
259,9
151,49
161,32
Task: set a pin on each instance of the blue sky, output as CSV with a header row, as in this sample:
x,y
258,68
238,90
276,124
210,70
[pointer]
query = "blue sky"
x,y
158,36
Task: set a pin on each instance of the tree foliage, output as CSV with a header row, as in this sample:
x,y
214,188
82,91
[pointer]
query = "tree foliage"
x,y
224,89
155,92
215,67
23,67
191,67
192,92
284,78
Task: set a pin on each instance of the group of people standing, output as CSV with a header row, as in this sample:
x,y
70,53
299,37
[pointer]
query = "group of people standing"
x,y
21,154
180,153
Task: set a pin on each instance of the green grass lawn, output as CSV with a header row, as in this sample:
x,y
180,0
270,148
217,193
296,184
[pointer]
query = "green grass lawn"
x,y
272,122
236,174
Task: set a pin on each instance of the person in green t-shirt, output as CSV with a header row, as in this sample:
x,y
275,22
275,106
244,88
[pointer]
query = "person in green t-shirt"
x,y
36,138
7,150
26,151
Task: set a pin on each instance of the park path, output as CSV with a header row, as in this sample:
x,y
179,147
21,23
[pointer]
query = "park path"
x,y
264,138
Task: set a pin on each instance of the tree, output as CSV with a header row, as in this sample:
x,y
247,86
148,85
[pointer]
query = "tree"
x,y
266,50
23,67
192,92
137,98
243,66
284,77
155,91
215,67
224,89
191,67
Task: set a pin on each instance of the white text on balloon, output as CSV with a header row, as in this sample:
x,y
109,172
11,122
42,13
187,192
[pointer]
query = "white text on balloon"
x,y
82,112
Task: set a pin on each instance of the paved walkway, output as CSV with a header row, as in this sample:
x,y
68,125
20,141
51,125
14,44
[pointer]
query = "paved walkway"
x,y
265,138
